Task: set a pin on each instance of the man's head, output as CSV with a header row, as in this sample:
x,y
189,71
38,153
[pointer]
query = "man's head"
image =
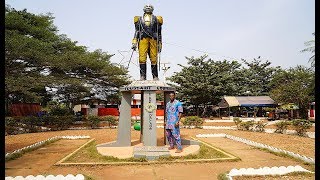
x,y
172,96
148,8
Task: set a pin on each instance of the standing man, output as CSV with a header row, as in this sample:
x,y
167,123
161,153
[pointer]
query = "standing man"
x,y
173,112
148,38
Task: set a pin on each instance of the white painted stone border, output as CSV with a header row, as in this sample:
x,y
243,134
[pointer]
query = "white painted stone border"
x,y
260,145
265,171
48,177
40,143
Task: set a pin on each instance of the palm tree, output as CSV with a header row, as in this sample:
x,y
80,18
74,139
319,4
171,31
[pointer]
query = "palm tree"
x,y
310,48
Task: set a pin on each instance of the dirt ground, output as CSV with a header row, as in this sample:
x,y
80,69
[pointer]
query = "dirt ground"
x,y
41,160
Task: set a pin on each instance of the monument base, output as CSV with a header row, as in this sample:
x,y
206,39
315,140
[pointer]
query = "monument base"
x,y
138,150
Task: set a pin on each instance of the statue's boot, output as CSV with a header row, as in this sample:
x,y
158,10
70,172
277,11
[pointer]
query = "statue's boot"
x,y
143,72
154,70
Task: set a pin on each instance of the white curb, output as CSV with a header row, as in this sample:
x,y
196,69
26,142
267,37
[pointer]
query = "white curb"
x,y
260,145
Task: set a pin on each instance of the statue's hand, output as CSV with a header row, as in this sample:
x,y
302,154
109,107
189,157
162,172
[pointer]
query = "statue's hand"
x,y
134,46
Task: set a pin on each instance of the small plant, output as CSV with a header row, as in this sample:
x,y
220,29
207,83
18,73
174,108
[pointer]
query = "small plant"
x,y
282,126
223,176
301,126
112,121
237,121
259,126
10,125
93,121
193,121
31,123
248,126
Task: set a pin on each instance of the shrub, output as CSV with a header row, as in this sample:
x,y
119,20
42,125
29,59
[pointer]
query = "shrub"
x,y
282,126
246,125
11,125
93,121
259,126
31,123
64,122
301,126
58,122
58,109
193,121
237,121
112,121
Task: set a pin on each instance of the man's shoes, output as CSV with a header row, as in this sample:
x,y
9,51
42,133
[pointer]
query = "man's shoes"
x,y
178,151
169,148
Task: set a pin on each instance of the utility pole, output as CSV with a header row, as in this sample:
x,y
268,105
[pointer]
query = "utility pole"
x,y
165,69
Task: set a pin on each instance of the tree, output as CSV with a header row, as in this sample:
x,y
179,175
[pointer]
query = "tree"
x,y
38,58
295,85
310,48
204,81
257,77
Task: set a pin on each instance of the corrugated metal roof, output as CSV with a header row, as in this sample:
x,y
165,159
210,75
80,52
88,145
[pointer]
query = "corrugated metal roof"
x,y
230,101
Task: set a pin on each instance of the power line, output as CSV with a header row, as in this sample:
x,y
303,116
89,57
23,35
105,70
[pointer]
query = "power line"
x,y
193,49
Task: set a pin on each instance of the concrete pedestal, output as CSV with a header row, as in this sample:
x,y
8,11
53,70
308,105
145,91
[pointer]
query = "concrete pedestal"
x,y
148,136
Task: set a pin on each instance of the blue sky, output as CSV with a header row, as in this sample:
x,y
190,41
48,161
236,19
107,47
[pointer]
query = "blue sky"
x,y
231,29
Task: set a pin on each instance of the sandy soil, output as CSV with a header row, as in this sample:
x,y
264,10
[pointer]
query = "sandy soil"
x,y
41,162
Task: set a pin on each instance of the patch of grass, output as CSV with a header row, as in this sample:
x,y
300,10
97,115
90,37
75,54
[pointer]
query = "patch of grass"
x,y
89,153
222,176
86,177
17,155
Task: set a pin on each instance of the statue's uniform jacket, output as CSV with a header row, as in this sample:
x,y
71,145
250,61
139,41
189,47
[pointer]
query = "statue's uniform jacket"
x,y
148,36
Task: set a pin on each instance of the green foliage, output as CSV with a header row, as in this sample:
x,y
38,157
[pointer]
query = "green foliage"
x,y
93,121
58,109
112,121
223,176
297,86
38,59
159,97
259,126
310,47
237,121
31,123
301,126
58,122
282,126
11,125
193,121
257,77
248,125
205,81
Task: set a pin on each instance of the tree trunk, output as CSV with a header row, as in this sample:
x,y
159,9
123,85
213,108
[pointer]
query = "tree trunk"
x,y
197,108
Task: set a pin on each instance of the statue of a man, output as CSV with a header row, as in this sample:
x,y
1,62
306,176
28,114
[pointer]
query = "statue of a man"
x,y
147,37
